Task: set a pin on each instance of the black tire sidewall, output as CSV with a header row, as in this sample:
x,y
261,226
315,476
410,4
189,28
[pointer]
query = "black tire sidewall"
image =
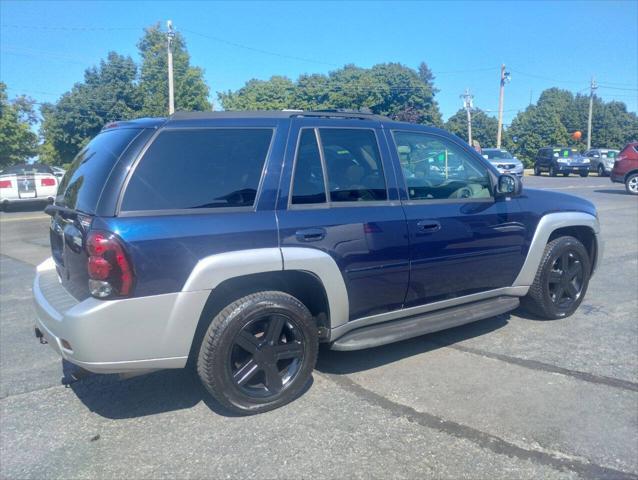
x,y
227,325
563,244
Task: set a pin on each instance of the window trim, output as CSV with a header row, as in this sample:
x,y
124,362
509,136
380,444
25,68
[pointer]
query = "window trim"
x,y
425,201
329,203
119,212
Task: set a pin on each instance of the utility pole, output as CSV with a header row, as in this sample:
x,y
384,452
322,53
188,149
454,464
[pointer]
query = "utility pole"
x,y
592,87
505,77
468,105
170,34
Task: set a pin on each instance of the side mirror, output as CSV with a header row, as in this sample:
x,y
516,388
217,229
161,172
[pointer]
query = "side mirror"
x,y
509,186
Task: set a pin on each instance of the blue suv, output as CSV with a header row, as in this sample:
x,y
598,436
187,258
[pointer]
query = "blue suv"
x,y
235,242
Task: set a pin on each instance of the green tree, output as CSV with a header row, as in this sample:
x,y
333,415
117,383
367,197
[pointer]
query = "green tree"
x,y
274,94
191,91
108,93
484,127
536,127
388,89
17,141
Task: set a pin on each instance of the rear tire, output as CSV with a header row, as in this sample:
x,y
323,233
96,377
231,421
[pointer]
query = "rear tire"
x,y
631,184
561,280
566,174
259,352
584,174
537,170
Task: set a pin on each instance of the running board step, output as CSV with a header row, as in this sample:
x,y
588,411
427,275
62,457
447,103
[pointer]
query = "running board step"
x,y
402,329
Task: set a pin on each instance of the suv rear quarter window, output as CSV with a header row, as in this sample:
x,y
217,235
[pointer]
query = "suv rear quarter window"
x,y
82,184
199,168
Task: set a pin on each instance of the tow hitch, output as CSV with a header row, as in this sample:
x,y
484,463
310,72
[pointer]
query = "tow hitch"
x,y
40,336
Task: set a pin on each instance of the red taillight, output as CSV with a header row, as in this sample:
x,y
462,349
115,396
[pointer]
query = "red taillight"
x,y
47,182
110,271
5,183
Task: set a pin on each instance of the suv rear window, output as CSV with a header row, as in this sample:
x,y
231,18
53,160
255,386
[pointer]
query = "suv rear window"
x,y
203,168
82,185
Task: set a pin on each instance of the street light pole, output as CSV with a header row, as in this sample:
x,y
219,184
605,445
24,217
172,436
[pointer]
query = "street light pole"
x,y
170,34
467,104
505,77
593,86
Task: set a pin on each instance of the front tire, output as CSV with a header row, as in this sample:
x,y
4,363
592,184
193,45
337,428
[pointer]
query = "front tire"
x,y
552,171
601,171
584,174
259,352
561,280
537,170
631,184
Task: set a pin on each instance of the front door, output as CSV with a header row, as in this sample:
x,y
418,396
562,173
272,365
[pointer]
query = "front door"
x,y
462,239
339,195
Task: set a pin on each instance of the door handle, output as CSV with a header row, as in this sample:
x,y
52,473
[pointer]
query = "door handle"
x,y
310,234
428,226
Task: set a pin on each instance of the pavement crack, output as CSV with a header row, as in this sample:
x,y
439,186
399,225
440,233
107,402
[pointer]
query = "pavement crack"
x,y
496,444
546,367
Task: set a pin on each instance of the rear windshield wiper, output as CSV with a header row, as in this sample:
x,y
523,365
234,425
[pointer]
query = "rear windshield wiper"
x,y
64,212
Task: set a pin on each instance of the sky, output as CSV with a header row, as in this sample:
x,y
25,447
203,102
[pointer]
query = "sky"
x,y
45,46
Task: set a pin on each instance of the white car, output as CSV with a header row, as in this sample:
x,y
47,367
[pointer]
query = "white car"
x,y
27,183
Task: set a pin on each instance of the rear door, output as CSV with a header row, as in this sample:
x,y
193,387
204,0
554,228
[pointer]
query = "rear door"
x,y
79,193
342,199
462,239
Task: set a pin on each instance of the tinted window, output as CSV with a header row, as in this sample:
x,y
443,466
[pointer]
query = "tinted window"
x,y
25,168
353,165
308,186
82,184
205,168
436,168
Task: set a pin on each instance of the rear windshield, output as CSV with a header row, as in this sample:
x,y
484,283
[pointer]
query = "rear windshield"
x,y
203,168
82,185
25,168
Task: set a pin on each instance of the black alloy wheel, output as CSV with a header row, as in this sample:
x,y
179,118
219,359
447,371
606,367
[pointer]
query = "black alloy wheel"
x,y
266,355
258,352
561,280
565,280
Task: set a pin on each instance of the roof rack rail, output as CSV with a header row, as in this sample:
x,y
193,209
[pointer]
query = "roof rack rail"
x,y
343,113
287,113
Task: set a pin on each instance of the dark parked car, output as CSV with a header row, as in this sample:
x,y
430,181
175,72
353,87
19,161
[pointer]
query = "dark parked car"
x,y
565,160
626,168
236,242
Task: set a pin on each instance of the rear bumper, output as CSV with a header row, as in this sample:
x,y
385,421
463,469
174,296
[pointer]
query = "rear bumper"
x,y
616,178
116,336
7,200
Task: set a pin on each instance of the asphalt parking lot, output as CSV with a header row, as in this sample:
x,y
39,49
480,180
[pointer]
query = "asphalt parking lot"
x,y
508,397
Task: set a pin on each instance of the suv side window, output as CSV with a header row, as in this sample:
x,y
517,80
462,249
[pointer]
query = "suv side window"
x,y
353,165
436,168
202,168
308,184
